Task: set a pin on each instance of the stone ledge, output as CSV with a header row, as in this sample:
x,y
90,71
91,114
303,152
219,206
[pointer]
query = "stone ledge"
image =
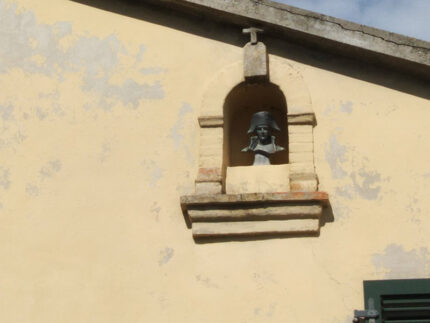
x,y
301,119
254,228
226,199
211,121
263,212
253,214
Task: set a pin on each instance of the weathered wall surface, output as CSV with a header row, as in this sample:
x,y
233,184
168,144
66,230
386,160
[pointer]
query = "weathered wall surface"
x,y
98,139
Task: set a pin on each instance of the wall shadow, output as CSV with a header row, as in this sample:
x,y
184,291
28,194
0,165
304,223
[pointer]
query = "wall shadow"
x,y
255,237
291,46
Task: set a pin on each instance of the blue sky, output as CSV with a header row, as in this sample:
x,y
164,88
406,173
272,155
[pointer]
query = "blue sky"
x,y
407,17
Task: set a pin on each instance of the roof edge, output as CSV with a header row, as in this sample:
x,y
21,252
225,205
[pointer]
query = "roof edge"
x,y
336,35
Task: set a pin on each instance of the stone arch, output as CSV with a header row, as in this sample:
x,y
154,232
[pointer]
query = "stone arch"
x,y
283,74
299,113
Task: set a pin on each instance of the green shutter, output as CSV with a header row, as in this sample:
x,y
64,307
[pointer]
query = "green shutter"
x,y
399,301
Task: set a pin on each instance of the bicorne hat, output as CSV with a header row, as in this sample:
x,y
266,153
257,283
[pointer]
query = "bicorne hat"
x,y
262,118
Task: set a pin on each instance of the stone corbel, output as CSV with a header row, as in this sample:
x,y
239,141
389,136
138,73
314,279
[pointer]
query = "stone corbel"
x,y
254,214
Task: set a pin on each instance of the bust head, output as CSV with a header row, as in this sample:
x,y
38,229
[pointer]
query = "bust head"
x,y
263,143
260,119
263,133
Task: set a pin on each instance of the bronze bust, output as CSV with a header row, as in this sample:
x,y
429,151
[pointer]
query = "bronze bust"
x,y
263,144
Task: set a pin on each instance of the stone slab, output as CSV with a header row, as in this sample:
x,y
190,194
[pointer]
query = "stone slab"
x,y
211,121
258,179
253,228
252,198
308,118
255,61
267,212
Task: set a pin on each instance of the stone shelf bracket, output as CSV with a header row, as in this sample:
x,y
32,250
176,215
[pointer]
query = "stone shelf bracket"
x,y
254,214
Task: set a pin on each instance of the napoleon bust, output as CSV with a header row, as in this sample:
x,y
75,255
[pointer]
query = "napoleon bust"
x,y
262,144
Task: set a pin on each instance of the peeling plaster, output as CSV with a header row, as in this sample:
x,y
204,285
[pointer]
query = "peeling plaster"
x,y
32,190
154,172
6,112
176,132
366,184
413,209
398,263
105,152
151,70
346,107
4,178
54,166
333,109
165,256
41,113
340,210
206,281
267,312
37,48
13,139
142,50
335,156
155,209
344,192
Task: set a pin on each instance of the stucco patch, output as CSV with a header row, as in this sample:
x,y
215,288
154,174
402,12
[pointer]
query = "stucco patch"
x,y
413,209
129,93
344,192
206,281
39,48
6,112
165,255
32,190
267,312
7,141
52,167
177,131
346,107
4,178
151,70
340,210
335,156
367,184
154,172
155,209
105,152
398,263
142,50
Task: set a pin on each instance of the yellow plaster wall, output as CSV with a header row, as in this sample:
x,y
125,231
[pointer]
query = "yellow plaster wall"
x,y
98,139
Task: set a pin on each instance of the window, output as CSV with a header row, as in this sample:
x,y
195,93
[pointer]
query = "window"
x,y
399,301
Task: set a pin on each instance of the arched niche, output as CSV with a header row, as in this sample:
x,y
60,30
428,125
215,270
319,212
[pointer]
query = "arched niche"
x,y
228,98
284,75
241,103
